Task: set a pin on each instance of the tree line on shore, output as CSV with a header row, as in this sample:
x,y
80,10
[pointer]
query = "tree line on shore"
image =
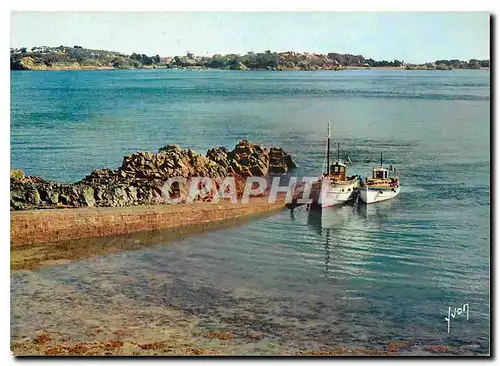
x,y
79,57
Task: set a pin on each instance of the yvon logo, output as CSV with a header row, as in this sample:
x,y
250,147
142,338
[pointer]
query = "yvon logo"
x,y
464,310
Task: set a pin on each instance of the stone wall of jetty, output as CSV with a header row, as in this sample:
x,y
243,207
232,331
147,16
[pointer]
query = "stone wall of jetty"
x,y
55,225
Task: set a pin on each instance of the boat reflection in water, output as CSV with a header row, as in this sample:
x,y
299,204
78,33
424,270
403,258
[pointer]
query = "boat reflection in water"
x,y
339,228
333,217
349,235
377,213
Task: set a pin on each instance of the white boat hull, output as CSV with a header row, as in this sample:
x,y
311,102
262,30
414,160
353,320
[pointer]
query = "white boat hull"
x,y
372,195
337,194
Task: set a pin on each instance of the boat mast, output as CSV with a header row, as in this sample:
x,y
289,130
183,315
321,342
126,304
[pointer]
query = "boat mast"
x,y
338,151
328,152
381,159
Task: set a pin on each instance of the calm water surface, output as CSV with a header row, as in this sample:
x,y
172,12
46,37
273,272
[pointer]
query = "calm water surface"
x,y
353,276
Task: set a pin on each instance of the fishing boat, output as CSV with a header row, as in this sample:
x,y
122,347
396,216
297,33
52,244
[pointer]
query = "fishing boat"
x,y
380,187
336,187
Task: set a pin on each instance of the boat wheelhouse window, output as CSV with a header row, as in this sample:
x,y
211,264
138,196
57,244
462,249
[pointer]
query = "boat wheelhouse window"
x,y
337,169
380,174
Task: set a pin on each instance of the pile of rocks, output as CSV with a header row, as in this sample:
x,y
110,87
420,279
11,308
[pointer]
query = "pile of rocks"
x,y
141,176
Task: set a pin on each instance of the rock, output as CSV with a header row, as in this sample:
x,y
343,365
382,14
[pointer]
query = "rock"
x,y
249,159
291,164
33,196
280,161
119,197
220,157
169,147
260,168
49,193
102,176
132,194
237,168
16,175
88,196
243,149
64,199
15,205
17,197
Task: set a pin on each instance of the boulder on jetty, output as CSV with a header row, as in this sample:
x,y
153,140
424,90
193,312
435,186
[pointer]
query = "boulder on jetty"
x,y
140,178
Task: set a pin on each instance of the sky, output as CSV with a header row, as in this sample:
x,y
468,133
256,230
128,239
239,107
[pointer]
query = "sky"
x,y
413,37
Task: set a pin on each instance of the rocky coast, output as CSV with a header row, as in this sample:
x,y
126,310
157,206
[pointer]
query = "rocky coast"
x,y
129,198
139,180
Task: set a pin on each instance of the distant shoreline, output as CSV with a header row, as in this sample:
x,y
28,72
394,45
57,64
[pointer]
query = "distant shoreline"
x,y
79,58
347,68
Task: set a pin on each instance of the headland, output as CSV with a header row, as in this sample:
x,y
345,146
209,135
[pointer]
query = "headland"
x,y
79,58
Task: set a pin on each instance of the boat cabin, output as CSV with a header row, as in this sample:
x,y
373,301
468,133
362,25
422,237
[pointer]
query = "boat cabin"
x,y
380,173
338,170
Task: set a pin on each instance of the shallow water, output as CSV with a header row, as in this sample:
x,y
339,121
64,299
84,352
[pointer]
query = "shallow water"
x,y
353,276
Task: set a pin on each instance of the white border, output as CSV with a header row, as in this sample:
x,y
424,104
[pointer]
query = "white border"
x,y
257,5
161,5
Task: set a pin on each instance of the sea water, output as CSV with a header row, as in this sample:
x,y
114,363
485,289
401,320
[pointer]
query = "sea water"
x,y
356,275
